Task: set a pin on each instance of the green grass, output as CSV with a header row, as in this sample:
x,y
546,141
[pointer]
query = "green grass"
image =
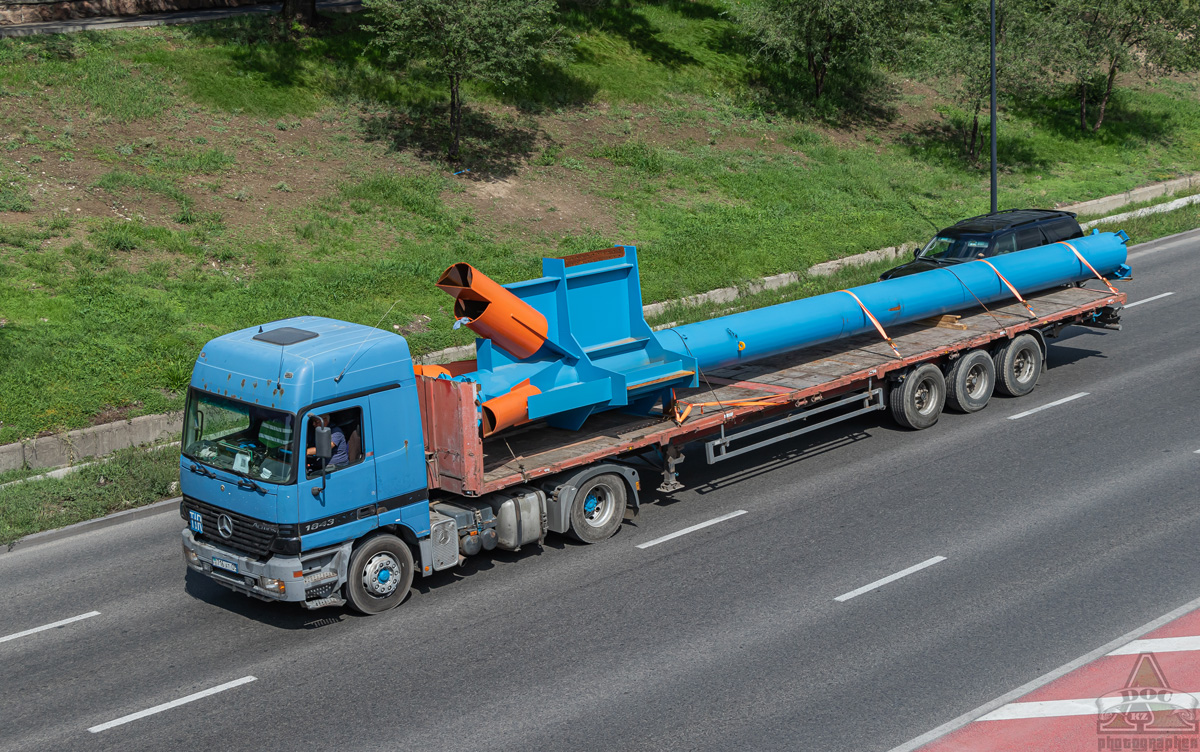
x,y
130,478
661,119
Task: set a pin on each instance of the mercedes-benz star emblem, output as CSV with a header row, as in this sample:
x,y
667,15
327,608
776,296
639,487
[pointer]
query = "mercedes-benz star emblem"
x,y
225,526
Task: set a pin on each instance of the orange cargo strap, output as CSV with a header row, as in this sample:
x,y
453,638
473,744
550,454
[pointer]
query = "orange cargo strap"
x,y
682,415
1079,256
875,321
1012,289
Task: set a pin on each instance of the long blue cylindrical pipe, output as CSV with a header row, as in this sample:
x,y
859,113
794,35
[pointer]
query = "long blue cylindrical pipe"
x,y
764,332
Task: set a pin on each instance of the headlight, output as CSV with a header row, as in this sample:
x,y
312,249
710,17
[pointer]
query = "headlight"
x,y
190,556
271,584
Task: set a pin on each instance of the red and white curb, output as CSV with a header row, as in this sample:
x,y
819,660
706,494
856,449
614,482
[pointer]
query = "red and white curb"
x,y
1139,692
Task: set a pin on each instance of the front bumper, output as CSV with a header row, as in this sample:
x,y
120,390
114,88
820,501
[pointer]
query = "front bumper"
x,y
250,572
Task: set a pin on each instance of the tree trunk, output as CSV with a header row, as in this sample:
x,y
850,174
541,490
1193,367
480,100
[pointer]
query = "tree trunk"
x,y
973,146
455,116
300,11
1112,75
1083,124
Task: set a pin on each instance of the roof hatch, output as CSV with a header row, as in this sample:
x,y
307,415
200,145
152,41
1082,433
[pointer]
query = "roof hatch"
x,y
285,335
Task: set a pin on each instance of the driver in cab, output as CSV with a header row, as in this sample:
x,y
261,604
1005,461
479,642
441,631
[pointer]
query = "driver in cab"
x,y
341,450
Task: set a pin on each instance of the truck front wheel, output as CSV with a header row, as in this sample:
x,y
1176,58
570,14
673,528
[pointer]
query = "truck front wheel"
x,y
598,508
381,572
917,401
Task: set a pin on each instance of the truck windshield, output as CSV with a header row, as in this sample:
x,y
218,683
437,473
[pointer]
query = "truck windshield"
x,y
957,247
244,439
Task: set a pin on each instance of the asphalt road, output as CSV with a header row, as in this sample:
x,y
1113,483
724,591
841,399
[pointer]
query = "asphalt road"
x,y
1061,530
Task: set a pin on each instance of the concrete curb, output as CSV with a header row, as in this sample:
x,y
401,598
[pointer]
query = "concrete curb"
x,y
100,23
96,441
46,536
1170,206
1145,193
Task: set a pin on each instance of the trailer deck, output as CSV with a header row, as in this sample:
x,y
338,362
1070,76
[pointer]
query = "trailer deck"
x,y
461,462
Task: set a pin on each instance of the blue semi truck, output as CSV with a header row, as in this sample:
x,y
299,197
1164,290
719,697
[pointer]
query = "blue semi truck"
x,y
320,466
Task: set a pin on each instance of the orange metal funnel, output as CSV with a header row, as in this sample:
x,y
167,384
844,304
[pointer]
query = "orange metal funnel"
x,y
493,312
507,410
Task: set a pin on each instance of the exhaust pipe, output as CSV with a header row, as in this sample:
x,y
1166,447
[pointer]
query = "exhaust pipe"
x,y
493,312
508,410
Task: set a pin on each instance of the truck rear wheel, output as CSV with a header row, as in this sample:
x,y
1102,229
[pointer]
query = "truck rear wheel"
x,y
917,401
970,382
598,508
381,572
1018,366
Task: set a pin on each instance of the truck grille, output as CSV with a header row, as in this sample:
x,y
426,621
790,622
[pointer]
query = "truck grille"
x,y
250,536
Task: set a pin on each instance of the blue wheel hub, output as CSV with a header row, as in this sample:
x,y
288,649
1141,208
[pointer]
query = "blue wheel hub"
x,y
385,575
590,504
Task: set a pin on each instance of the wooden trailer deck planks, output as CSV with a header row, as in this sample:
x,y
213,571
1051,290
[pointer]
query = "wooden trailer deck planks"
x,y
784,380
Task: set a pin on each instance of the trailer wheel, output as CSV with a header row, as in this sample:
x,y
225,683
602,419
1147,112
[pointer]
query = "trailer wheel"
x,y
381,572
1018,366
598,508
970,382
917,401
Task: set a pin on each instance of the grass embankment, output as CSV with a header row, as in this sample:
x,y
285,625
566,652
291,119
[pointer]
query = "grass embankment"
x,y
159,187
129,478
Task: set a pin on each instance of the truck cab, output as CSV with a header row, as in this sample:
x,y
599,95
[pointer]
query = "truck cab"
x,y
269,512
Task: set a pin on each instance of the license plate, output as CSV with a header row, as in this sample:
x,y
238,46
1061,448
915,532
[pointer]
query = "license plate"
x,y
196,522
228,566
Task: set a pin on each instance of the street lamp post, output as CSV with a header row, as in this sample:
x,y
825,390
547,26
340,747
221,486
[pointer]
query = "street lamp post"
x,y
993,106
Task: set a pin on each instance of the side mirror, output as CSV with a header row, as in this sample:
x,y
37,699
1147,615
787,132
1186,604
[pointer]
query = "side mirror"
x,y
916,252
322,437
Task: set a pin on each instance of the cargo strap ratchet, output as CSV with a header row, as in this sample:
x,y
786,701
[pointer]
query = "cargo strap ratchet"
x,y
1011,289
875,321
1100,277
682,415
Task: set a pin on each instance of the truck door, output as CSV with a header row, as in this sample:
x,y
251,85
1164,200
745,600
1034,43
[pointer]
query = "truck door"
x,y
340,505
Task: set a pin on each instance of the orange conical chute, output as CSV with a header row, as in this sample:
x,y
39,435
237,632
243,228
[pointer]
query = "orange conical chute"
x,y
507,410
493,312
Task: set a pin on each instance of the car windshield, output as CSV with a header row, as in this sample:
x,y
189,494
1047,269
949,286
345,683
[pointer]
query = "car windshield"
x,y
950,247
244,439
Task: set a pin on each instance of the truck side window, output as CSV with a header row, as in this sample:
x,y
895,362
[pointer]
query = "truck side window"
x,y
1030,237
346,432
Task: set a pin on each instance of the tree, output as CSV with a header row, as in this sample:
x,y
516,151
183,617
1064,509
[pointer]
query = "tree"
x,y
1099,39
959,51
495,41
823,35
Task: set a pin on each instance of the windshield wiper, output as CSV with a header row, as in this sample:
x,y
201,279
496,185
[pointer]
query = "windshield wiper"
x,y
244,481
198,468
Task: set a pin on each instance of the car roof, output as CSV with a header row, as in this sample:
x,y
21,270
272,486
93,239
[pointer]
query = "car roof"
x,y
1007,219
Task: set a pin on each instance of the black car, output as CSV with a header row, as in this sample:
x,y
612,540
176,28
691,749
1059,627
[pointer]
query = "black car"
x,y
991,235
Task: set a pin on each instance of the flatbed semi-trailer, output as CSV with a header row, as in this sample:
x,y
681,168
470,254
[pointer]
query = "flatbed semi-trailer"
x,y
419,483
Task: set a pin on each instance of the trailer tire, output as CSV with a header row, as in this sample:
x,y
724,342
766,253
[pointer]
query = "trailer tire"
x,y
970,382
917,400
1018,366
380,574
598,508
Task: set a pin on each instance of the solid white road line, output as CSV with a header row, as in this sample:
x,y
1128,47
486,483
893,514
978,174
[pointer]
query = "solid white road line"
x,y
1159,645
1048,405
1147,300
890,578
692,529
1043,680
88,615
172,704
1062,708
